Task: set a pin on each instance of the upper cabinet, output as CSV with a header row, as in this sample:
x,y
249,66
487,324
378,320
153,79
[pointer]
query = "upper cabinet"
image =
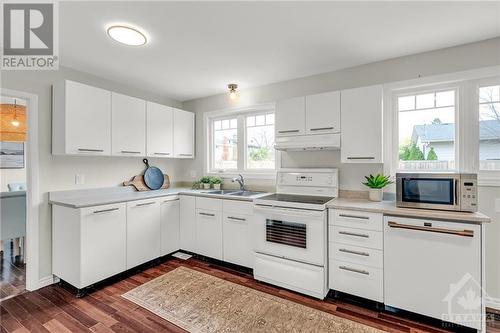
x,y
323,113
290,116
159,130
128,119
183,133
361,135
81,119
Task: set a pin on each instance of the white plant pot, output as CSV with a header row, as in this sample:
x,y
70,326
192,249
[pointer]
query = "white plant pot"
x,y
375,194
206,186
217,186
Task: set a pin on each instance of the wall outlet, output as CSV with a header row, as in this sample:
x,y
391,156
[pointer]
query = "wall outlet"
x,y
79,179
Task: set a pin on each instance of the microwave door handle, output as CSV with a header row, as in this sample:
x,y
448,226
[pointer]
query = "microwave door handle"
x,y
456,192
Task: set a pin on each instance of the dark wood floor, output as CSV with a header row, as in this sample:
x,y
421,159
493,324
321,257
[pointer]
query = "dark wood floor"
x,y
12,273
54,309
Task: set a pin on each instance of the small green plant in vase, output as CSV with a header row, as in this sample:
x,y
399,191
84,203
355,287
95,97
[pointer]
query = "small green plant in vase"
x,y
205,181
216,182
376,184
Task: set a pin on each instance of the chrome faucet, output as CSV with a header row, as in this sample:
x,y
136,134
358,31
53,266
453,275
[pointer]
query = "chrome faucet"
x,y
240,181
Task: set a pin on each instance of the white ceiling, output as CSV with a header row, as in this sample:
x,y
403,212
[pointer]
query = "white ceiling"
x,y
197,48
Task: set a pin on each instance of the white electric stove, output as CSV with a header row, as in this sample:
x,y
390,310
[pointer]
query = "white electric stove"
x,y
290,230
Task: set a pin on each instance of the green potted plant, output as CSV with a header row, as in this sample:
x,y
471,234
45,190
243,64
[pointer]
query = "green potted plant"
x,y
205,181
376,184
216,182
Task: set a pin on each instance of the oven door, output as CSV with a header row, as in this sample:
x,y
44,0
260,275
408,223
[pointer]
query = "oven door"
x,y
289,233
430,191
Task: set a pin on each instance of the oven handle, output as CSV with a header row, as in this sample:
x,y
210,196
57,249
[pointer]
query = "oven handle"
x,y
289,211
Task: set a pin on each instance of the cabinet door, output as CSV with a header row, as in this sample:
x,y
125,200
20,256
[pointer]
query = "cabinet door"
x,y
290,116
361,136
159,130
209,233
128,118
88,119
323,113
169,225
183,134
143,231
188,223
237,246
103,242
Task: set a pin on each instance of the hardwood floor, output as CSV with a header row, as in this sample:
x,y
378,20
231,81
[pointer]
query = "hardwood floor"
x,y
54,309
12,273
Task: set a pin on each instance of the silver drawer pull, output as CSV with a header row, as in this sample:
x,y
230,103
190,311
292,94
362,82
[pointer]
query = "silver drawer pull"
x,y
361,158
166,154
354,234
321,129
130,152
364,254
105,210
464,233
289,131
206,214
173,200
91,150
145,204
186,155
354,216
360,271
236,218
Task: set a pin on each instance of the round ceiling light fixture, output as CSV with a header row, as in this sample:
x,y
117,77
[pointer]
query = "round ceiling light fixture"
x,y
127,35
233,94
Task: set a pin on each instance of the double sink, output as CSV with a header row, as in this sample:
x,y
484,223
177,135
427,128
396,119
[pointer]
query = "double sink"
x,y
233,193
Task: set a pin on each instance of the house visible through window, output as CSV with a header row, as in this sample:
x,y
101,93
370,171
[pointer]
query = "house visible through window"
x,y
427,130
260,141
489,127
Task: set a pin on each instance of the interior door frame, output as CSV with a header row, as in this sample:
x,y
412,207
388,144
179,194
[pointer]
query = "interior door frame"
x,y
33,190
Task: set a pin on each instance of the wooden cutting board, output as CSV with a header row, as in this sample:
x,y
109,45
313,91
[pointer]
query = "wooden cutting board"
x,y
138,183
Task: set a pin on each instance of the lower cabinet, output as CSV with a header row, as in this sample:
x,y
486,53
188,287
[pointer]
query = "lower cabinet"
x,y
209,233
237,240
143,231
170,233
187,237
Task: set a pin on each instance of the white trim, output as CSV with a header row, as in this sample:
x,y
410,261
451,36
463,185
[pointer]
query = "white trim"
x,y
47,281
33,191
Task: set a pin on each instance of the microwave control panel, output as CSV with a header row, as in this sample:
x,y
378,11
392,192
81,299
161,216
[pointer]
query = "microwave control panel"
x,y
468,193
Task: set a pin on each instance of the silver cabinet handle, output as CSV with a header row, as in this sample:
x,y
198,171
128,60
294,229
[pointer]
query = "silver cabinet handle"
x,y
145,204
354,234
166,154
105,210
321,129
236,218
360,271
360,158
207,214
359,253
185,154
354,216
289,131
130,152
173,200
464,233
91,150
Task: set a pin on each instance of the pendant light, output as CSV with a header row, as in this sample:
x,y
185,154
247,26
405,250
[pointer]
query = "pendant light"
x,y
15,122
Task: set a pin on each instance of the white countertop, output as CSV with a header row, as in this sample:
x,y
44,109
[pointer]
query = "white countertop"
x,y
12,194
389,208
111,195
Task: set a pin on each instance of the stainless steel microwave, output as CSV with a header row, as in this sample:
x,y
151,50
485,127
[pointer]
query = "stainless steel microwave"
x,y
439,190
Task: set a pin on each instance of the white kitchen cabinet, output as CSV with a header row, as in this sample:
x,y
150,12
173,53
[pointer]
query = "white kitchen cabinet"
x,y
88,244
143,231
323,113
81,119
128,120
187,223
209,233
236,232
170,233
290,116
159,129
183,133
361,122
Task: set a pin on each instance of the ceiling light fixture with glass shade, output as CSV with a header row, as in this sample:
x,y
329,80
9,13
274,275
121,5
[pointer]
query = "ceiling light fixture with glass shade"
x,y
126,34
233,94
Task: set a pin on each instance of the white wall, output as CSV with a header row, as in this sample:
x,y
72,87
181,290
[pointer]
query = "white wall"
x,y
58,172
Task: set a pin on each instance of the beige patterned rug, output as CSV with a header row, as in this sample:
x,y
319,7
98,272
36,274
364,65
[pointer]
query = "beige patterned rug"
x,y
198,302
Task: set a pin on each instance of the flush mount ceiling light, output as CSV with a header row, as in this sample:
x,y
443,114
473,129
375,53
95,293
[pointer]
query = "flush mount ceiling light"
x,y
127,35
233,94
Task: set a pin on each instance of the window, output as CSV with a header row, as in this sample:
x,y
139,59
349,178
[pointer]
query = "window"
x,y
426,125
489,127
242,142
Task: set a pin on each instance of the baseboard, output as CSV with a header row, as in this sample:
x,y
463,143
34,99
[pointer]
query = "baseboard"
x,y
47,281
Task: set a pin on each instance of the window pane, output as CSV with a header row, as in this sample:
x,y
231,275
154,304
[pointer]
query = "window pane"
x,y
225,145
406,103
260,144
270,119
425,101
445,98
217,125
251,121
234,123
427,137
489,128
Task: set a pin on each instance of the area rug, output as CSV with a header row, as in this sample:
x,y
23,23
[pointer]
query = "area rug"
x,y
198,302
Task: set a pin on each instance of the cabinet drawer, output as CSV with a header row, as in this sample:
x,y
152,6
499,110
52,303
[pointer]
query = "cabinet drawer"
x,y
356,219
357,237
238,207
356,255
208,203
358,280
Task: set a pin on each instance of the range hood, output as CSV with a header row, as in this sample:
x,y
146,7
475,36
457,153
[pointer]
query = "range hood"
x,y
308,142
